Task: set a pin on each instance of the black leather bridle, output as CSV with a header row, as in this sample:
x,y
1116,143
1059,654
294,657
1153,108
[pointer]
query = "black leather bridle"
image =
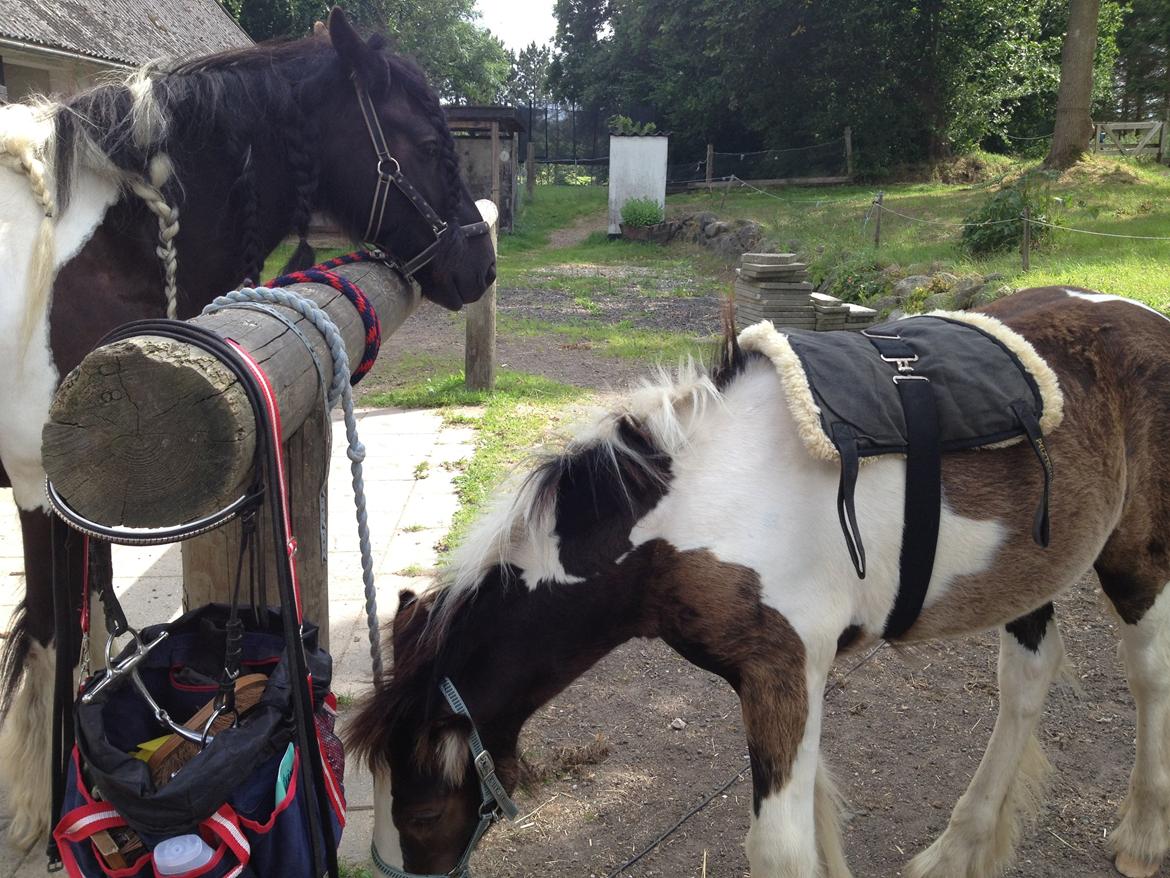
x,y
390,174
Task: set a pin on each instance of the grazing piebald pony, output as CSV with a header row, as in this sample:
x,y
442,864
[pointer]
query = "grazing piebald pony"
x,y
696,514
155,195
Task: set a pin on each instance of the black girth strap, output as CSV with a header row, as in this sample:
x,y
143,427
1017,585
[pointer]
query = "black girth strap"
x,y
923,482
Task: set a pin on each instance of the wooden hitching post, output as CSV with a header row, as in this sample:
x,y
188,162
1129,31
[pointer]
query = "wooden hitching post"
x,y
479,358
877,227
152,432
710,164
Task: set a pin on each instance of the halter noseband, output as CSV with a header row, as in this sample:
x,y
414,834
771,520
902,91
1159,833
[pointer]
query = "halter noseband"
x,y
390,172
494,804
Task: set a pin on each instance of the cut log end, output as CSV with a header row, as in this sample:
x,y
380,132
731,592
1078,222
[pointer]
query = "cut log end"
x,y
164,422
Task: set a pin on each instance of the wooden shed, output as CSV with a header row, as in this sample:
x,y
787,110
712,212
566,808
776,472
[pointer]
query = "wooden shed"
x,y
488,142
59,47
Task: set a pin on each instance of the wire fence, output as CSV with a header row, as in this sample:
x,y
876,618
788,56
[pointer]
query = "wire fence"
x,y
830,159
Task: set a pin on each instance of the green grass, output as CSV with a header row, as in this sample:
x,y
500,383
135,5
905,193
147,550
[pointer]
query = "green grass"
x,y
828,225
614,339
552,207
278,257
352,870
520,413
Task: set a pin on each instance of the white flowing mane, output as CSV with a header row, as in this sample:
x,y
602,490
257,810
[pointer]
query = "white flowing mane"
x,y
666,406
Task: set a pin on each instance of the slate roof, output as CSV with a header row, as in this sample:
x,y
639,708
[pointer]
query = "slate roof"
x,y
124,31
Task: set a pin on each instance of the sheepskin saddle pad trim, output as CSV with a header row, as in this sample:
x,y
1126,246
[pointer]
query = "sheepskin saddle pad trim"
x,y
919,387
977,366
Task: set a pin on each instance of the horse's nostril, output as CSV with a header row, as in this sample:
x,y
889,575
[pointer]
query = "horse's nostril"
x,y
489,276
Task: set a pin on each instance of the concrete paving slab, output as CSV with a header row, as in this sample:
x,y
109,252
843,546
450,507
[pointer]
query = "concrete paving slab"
x,y
149,580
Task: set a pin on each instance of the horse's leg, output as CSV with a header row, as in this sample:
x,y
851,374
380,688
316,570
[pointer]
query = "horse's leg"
x,y
1142,837
795,830
1008,786
25,740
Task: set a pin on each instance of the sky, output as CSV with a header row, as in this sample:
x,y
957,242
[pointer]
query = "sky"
x,y
519,22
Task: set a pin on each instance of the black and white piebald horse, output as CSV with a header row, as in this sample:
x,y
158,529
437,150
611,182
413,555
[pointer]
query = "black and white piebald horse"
x,y
696,514
159,193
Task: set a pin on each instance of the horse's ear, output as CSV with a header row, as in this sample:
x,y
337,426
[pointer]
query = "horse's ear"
x,y
319,29
364,60
409,621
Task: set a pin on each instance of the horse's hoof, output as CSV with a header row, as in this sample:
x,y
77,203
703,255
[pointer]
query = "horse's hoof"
x,y
1132,867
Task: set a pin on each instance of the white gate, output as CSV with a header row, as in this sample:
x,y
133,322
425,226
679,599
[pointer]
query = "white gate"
x,y
1130,139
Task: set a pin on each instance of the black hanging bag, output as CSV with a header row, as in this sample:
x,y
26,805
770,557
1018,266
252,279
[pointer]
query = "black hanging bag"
x,y
264,788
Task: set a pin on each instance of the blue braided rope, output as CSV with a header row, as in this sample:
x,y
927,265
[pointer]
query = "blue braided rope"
x,y
339,389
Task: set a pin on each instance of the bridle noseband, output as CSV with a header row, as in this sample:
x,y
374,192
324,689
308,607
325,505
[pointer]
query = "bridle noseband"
x,y
390,175
494,805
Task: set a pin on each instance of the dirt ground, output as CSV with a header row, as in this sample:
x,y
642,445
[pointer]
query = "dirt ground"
x,y
903,733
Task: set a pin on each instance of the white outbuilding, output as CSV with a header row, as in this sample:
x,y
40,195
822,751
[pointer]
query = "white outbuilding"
x,y
637,169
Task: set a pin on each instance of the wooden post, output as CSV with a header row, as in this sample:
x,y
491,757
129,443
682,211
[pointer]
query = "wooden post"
x,y
1026,240
710,164
726,188
495,196
152,432
849,151
530,168
513,177
479,357
877,227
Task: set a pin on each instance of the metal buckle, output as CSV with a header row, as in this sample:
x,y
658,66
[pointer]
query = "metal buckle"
x,y
900,377
903,363
485,767
869,334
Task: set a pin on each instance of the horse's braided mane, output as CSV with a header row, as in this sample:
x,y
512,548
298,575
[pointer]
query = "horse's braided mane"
x,y
229,101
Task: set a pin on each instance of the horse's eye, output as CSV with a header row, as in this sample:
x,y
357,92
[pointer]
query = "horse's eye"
x,y
423,818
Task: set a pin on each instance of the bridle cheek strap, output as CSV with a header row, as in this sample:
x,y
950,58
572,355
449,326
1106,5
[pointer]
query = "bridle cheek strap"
x,y
390,177
495,803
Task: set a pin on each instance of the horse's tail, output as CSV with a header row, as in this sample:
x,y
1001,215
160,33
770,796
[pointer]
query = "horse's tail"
x,y
13,657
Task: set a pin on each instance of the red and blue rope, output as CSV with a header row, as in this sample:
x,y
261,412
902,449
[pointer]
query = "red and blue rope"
x,y
324,274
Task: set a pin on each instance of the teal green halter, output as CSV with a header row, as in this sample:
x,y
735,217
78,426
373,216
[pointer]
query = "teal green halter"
x,y
494,805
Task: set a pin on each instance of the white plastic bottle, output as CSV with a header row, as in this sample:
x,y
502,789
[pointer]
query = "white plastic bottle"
x,y
182,854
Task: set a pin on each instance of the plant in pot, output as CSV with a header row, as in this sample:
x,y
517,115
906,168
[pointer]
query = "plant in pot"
x,y
643,220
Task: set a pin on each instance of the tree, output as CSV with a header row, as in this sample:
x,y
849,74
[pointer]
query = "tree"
x,y
1074,124
463,60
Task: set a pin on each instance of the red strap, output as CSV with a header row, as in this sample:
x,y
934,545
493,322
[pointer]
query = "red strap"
x,y
85,584
81,824
273,408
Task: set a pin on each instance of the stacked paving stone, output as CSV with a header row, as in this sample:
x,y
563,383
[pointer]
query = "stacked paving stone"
x,y
775,287
858,316
831,312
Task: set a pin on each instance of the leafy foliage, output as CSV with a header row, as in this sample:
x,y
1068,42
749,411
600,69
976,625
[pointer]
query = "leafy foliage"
x,y
917,80
639,212
463,60
998,224
626,126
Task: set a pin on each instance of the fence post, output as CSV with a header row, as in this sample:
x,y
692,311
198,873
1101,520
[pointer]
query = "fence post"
x,y
1026,241
877,226
710,164
530,169
849,151
479,362
726,187
495,196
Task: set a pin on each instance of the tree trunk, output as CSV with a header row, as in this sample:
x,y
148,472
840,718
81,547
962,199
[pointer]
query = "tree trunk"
x,y
1074,124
